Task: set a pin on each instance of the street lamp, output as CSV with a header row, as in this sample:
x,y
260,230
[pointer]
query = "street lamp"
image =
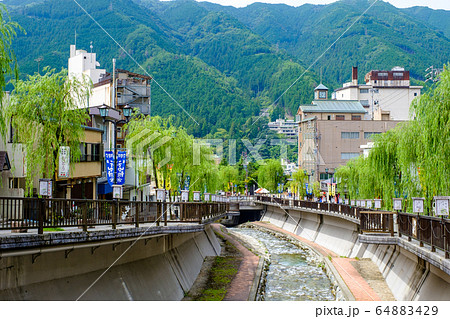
x,y
104,113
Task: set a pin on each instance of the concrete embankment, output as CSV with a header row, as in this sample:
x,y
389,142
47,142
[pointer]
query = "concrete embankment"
x,y
409,274
158,267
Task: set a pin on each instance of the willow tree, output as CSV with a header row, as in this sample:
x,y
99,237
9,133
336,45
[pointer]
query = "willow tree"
x,y
297,183
169,154
229,176
8,62
270,174
44,114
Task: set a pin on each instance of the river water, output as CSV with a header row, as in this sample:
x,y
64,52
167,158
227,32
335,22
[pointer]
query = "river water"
x,y
293,273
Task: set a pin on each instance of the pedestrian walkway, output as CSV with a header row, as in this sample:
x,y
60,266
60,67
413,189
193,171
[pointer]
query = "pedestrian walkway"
x,y
358,286
241,285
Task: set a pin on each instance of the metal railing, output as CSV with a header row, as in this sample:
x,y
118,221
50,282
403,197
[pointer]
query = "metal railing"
x,y
377,221
340,209
20,214
433,231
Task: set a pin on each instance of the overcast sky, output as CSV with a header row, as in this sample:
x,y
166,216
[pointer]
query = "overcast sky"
x,y
435,4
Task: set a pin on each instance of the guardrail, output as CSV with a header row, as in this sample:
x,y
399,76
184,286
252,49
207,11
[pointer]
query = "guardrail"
x,y
21,214
433,231
377,221
341,209
426,229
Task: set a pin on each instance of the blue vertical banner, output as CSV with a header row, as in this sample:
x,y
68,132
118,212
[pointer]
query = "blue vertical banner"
x,y
109,159
187,182
121,165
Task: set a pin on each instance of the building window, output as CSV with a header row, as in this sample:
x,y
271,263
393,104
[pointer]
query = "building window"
x,y
356,117
13,182
340,117
363,91
350,135
369,135
90,152
348,155
398,74
415,94
329,117
364,103
382,74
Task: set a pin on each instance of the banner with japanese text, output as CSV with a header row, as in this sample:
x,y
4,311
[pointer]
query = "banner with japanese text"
x,y
109,159
121,165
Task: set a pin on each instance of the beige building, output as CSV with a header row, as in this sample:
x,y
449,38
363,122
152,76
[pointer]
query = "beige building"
x,y
385,95
331,133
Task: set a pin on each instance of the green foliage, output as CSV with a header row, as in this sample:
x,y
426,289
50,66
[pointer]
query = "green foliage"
x,y
44,114
410,160
8,63
299,178
170,155
270,173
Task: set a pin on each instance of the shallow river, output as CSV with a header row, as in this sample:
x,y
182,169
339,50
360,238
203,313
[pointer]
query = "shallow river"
x,y
292,274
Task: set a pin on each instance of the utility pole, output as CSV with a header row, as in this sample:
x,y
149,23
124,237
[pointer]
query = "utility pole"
x,y
372,91
434,74
39,60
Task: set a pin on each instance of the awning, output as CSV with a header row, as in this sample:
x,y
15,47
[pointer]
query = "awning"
x,y
104,189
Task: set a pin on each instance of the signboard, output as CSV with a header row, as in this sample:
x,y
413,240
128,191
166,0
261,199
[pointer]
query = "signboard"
x,y
109,159
160,194
441,204
333,189
184,196
363,203
358,203
397,204
352,203
377,203
64,162
346,201
45,187
417,205
196,196
369,203
117,191
121,165
207,197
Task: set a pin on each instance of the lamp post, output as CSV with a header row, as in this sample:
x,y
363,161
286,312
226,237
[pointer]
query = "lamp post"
x,y
104,113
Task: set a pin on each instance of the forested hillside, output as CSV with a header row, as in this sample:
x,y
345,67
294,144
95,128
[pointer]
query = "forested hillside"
x,y
383,38
223,64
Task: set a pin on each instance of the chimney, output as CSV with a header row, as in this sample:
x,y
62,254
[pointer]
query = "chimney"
x,y
355,75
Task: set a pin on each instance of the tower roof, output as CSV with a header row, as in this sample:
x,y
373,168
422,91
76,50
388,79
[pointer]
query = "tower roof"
x,y
321,87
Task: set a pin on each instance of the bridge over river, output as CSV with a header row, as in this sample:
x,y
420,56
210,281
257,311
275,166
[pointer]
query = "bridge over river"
x,y
55,249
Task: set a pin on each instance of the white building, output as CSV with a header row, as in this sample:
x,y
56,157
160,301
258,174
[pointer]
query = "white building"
x,y
114,90
386,95
82,62
289,128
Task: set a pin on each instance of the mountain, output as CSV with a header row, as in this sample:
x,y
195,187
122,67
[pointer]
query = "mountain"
x,y
439,19
382,38
224,64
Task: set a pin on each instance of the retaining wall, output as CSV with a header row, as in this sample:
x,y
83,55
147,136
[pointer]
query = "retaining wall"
x,y
408,276
163,267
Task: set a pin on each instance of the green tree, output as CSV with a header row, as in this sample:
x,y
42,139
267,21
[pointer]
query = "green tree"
x,y
8,62
270,174
169,154
45,114
297,183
